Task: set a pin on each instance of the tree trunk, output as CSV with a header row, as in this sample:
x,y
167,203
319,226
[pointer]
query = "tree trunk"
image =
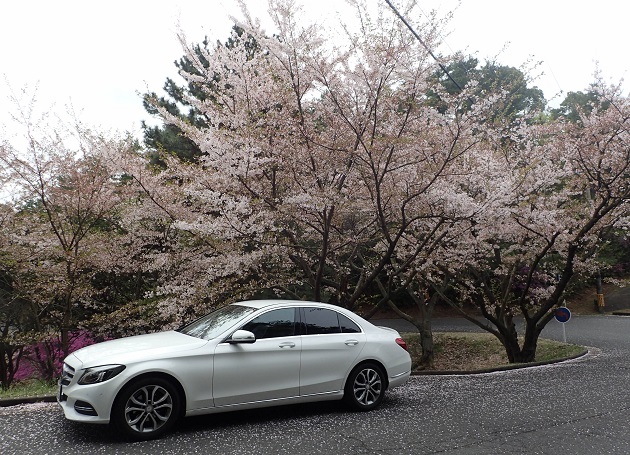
x,y
515,352
426,341
425,307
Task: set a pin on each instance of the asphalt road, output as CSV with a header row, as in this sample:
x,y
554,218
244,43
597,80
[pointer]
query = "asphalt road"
x,y
576,407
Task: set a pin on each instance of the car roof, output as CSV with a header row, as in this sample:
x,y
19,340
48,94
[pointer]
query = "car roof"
x,y
281,302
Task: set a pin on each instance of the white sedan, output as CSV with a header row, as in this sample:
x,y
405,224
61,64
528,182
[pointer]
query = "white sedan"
x,y
245,355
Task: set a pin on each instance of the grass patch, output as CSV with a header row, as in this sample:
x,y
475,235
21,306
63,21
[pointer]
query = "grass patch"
x,y
29,388
463,351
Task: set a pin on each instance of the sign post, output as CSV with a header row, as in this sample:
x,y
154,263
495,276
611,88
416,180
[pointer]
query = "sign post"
x,y
563,315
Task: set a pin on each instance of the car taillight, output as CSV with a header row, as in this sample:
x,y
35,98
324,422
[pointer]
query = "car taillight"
x,y
400,342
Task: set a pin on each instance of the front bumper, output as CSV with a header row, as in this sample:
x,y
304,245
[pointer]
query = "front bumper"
x,y
85,403
82,404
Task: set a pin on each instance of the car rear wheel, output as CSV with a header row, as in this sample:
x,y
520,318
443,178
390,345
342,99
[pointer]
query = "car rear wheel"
x,y
146,409
365,387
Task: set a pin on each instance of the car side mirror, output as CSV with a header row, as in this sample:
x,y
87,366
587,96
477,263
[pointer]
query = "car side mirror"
x,y
242,336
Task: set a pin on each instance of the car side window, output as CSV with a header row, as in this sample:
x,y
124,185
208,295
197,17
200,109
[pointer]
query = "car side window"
x,y
347,326
273,324
321,321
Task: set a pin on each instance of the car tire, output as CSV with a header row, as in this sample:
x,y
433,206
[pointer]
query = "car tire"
x,y
365,387
146,408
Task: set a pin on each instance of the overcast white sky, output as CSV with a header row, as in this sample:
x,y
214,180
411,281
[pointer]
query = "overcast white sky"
x,y
99,55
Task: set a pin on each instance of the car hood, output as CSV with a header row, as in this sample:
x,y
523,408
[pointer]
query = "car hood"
x,y
140,347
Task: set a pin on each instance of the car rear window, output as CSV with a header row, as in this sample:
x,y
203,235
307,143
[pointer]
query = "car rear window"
x,y
322,320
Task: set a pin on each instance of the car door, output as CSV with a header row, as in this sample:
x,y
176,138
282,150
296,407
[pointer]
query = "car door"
x,y
330,346
268,369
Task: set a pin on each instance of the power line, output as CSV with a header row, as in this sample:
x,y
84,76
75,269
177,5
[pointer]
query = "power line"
x,y
400,16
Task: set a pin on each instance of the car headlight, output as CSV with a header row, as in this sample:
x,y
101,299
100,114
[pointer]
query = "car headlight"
x,y
100,374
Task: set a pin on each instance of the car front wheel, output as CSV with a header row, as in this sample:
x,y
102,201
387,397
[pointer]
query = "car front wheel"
x,y
146,409
365,387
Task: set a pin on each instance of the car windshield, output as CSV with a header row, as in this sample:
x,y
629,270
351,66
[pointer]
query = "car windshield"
x,y
214,324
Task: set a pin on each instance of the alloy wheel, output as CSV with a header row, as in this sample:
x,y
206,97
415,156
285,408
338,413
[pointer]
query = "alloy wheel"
x,y
367,387
148,408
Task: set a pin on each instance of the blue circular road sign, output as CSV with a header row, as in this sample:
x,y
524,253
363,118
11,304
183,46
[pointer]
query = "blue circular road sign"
x,y
562,314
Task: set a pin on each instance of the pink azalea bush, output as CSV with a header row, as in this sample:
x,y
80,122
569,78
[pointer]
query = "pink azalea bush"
x,y
44,360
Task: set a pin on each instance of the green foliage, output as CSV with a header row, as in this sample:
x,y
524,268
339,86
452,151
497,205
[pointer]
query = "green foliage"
x,y
577,104
490,78
615,253
169,138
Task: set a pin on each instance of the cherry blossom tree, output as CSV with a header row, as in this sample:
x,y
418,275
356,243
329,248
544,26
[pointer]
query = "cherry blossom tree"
x,y
317,158
14,312
326,171
65,201
546,194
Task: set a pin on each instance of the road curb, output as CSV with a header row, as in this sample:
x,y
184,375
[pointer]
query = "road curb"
x,y
27,400
518,366
621,313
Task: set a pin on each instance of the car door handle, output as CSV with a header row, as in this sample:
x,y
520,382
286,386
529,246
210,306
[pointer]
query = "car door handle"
x,y
287,344
352,342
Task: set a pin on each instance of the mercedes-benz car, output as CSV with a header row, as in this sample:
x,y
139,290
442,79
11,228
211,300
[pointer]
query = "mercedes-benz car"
x,y
241,356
